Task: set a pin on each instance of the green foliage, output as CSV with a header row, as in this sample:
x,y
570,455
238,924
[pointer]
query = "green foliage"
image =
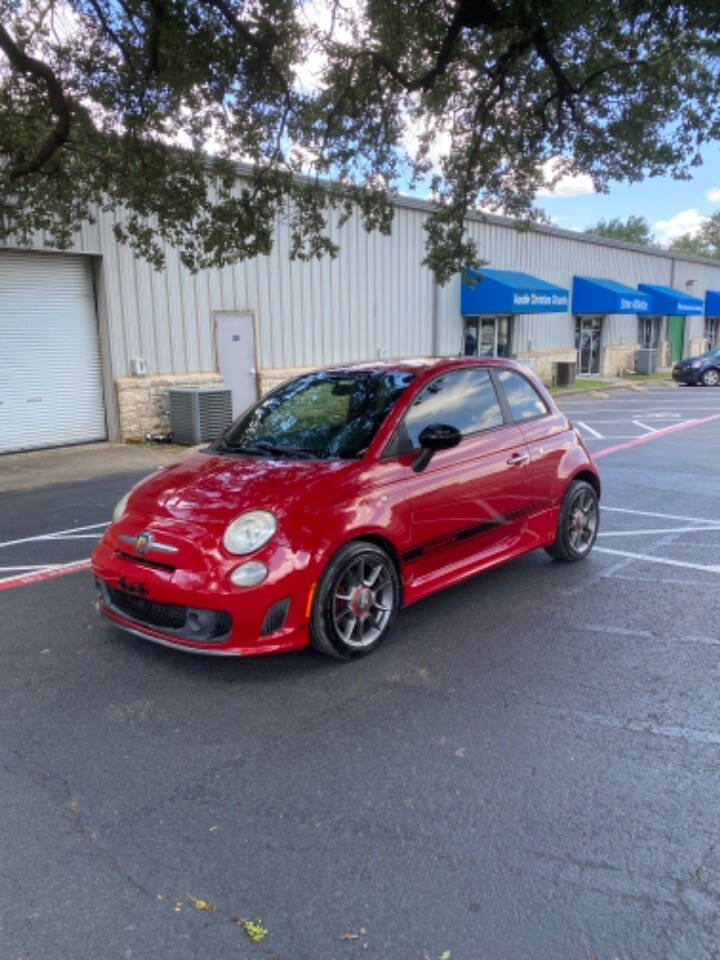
x,y
255,930
705,243
632,230
144,109
689,244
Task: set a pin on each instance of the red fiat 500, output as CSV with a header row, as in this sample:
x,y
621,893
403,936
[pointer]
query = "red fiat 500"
x,y
342,496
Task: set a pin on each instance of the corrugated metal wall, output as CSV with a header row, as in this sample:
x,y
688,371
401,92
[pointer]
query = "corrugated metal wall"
x,y
557,259
374,297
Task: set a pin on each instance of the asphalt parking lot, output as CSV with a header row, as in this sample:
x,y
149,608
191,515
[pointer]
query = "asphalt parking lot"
x,y
528,768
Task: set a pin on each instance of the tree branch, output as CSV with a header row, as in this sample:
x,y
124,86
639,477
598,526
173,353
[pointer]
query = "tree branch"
x,y
59,104
468,15
100,13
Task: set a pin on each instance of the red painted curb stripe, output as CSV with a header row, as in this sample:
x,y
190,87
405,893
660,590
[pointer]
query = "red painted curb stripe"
x,y
653,436
24,578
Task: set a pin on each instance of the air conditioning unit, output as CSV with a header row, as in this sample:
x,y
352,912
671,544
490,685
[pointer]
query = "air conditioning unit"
x,y
198,415
564,373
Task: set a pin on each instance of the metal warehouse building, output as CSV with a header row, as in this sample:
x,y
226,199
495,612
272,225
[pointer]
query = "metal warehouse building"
x,y
91,339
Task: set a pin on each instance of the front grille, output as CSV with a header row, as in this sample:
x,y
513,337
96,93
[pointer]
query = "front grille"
x,y
168,615
145,562
190,623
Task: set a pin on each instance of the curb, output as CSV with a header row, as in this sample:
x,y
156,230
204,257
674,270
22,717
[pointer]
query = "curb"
x,y
602,391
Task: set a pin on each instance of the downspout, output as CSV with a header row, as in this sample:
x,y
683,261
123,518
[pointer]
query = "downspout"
x,y
435,318
667,319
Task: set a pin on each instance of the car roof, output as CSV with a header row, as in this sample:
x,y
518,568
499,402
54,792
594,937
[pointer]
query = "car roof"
x,y
419,365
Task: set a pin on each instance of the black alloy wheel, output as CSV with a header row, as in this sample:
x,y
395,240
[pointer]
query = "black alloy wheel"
x,y
356,601
578,523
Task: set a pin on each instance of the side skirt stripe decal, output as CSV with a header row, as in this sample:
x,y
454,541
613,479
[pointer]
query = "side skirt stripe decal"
x,y
438,544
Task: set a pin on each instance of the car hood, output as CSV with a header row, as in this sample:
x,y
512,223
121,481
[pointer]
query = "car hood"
x,y
689,361
209,488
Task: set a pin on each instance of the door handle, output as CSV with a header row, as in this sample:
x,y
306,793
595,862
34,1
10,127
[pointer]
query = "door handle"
x,y
517,459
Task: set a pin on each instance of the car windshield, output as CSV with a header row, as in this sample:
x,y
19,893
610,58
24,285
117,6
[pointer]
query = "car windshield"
x,y
322,415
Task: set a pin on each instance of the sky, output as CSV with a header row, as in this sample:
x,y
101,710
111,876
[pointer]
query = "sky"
x,y
672,207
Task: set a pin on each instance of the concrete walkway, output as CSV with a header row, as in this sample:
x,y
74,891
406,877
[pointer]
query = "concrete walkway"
x,y
38,468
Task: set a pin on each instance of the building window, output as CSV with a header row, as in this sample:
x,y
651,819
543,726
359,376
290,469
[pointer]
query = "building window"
x,y
487,337
648,332
712,332
587,344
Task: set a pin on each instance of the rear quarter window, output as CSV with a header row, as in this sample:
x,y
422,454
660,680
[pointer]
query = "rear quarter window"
x,y
522,398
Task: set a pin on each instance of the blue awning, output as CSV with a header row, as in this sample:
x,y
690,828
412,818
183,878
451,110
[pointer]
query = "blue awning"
x,y
712,303
507,291
593,295
672,303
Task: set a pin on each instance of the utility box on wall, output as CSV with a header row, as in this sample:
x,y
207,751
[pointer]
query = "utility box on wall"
x,y
199,415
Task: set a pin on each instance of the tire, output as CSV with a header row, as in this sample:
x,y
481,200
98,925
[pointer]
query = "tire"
x,y
356,601
577,523
710,377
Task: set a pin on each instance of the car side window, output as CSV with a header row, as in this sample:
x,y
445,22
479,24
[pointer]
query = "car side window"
x,y
522,398
464,399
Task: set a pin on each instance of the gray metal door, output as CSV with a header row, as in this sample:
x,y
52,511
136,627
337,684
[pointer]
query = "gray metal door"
x,y
235,342
50,376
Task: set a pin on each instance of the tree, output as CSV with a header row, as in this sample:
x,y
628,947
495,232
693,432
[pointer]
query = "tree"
x,y
145,106
633,230
709,235
704,243
689,243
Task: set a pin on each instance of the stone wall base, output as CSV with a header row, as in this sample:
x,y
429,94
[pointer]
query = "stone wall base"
x,y
618,359
664,354
698,346
542,361
142,401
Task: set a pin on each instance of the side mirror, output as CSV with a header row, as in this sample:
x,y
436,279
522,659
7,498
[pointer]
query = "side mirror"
x,y
434,437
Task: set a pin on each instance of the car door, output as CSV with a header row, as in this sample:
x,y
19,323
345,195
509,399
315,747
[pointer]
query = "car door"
x,y
470,502
546,436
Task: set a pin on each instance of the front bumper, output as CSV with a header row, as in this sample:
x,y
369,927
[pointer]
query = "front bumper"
x,y
199,610
687,375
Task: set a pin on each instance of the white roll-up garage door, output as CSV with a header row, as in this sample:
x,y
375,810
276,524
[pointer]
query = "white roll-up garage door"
x,y
50,375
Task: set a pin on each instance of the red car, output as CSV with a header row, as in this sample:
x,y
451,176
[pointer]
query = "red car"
x,y
342,496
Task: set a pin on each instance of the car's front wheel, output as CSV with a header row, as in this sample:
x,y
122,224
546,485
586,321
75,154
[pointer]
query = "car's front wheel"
x,y
356,601
710,377
577,523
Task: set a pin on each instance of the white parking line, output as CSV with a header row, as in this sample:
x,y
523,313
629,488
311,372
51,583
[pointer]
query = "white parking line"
x,y
664,516
590,430
646,558
642,533
644,426
47,573
58,534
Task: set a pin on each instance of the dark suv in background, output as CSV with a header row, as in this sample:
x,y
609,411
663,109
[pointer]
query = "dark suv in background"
x,y
704,369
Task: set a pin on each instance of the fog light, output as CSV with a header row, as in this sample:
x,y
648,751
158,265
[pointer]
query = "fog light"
x,y
249,574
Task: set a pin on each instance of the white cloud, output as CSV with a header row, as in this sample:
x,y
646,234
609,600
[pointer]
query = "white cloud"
x,y
686,221
560,182
713,195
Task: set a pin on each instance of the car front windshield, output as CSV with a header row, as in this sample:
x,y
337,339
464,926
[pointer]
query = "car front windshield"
x,y
321,415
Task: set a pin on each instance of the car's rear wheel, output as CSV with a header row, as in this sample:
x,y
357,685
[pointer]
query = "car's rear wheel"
x,y
356,601
577,523
710,377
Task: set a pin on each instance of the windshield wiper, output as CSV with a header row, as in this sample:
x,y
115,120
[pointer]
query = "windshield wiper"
x,y
265,447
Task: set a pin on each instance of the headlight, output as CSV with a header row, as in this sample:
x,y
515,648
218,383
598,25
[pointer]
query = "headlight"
x,y
696,364
121,507
249,532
